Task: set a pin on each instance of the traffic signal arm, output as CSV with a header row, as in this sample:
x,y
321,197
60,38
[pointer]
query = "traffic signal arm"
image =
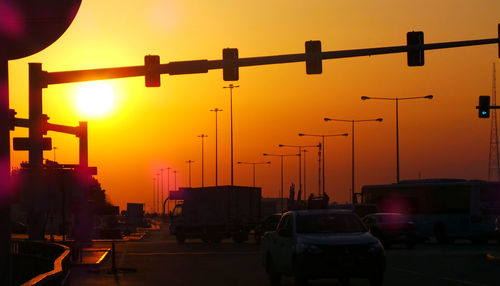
x,y
203,66
63,129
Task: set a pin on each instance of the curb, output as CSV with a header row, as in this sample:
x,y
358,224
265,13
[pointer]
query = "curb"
x,y
97,263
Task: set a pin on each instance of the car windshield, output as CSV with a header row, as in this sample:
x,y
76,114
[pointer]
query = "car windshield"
x,y
329,223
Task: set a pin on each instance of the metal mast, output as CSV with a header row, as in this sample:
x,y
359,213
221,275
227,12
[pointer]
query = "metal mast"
x,y
494,162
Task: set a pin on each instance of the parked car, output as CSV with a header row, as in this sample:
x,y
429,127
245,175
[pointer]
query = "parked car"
x,y
269,224
313,244
392,228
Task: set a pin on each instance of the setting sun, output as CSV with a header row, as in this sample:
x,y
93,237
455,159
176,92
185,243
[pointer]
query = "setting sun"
x,y
95,98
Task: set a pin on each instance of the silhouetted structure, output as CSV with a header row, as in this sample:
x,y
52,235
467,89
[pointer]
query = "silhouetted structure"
x,y
494,161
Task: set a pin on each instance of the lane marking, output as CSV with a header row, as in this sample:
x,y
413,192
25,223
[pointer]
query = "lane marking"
x,y
193,253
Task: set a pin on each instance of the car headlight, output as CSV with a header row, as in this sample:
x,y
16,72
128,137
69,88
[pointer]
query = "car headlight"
x,y
307,248
376,248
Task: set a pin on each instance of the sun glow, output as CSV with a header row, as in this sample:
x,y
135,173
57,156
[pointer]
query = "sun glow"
x,y
95,98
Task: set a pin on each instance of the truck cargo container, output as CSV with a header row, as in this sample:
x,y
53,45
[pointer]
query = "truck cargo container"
x,y
214,213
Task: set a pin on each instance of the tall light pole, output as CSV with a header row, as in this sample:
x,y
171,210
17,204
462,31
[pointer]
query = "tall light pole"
x,y
353,193
154,195
305,172
158,192
168,181
54,153
175,179
216,110
231,86
281,156
324,149
202,136
189,164
161,174
254,163
300,161
397,99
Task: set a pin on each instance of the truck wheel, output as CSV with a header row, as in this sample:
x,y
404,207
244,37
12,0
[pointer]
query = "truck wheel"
x,y
180,238
274,277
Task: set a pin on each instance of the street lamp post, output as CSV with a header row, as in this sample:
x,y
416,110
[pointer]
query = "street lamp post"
x,y
202,136
175,179
161,174
54,153
281,156
154,195
254,163
157,192
324,149
305,172
216,110
168,181
189,164
353,193
300,161
231,86
397,99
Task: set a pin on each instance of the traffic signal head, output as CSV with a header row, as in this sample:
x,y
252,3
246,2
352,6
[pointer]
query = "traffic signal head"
x,y
484,106
230,69
152,73
313,57
416,55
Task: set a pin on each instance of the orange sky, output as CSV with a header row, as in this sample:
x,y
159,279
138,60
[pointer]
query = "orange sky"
x,y
152,128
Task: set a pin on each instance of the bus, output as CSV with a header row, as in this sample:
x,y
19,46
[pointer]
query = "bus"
x,y
446,209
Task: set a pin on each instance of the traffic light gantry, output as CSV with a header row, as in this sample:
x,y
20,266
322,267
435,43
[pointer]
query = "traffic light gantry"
x,y
230,62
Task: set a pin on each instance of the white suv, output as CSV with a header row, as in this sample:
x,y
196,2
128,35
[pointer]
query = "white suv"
x,y
323,244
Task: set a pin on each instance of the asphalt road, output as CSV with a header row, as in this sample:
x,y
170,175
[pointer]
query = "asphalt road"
x,y
159,260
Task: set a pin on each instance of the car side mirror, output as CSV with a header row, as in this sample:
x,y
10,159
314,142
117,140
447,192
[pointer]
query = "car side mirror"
x,y
285,232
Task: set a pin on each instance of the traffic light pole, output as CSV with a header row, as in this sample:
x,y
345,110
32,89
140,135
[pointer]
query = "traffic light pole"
x,y
203,66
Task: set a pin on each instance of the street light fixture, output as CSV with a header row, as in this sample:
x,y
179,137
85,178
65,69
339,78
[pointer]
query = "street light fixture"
x,y
397,99
300,161
231,86
254,163
324,149
281,156
353,193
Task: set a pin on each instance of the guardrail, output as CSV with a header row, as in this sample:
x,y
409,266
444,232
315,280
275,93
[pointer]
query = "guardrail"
x,y
47,262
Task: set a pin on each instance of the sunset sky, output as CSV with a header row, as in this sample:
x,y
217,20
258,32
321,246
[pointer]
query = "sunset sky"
x,y
152,128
